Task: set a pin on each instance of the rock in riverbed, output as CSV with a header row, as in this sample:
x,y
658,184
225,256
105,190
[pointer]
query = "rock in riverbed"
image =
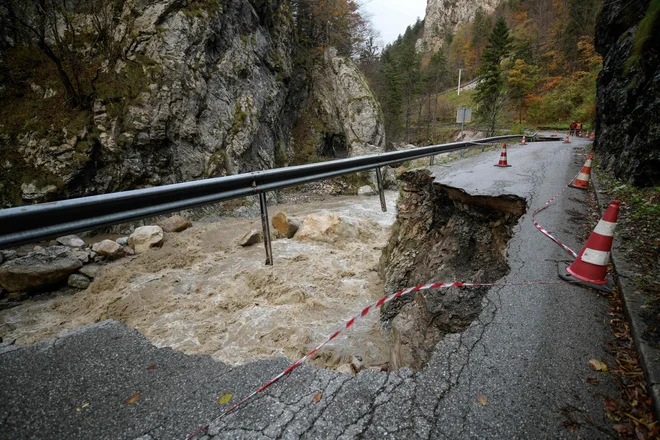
x,y
176,223
38,270
285,225
146,237
109,249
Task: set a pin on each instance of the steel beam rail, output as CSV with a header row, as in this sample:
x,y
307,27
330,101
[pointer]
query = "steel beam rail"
x,y
27,224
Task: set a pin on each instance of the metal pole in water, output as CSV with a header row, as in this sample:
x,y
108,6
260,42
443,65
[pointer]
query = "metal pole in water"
x,y
266,228
381,191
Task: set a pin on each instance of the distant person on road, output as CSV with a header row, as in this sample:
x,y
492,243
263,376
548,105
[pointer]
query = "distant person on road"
x,y
572,130
578,127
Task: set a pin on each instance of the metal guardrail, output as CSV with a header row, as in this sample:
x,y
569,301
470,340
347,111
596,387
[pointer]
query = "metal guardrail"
x,y
27,224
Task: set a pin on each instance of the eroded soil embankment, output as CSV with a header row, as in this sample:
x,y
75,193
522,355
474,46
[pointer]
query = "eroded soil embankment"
x,y
441,234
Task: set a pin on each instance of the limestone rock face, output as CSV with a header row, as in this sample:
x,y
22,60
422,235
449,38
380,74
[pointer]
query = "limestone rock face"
x,y
628,97
146,237
351,118
39,269
218,94
444,16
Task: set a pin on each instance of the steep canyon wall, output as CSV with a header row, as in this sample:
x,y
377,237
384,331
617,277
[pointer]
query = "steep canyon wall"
x,y
201,89
628,100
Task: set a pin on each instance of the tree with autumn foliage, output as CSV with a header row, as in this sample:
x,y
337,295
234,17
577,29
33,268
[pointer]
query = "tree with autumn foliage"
x,y
521,79
336,23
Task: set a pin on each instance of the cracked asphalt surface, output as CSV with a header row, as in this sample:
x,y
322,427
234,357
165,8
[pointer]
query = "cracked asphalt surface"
x,y
527,354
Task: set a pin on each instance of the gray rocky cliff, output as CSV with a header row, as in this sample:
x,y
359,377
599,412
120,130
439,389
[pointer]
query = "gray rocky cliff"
x,y
215,91
444,17
351,119
628,97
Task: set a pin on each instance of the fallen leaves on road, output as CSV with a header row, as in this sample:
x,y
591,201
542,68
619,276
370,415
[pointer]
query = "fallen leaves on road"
x,y
632,412
134,398
152,367
597,365
593,380
317,397
610,405
482,399
224,399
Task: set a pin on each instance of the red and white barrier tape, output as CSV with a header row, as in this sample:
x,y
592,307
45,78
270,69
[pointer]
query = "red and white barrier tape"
x,y
543,230
352,321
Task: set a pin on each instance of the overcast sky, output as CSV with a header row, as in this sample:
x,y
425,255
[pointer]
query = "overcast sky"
x,y
391,17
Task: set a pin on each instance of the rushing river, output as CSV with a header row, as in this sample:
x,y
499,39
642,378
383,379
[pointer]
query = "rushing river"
x,y
202,293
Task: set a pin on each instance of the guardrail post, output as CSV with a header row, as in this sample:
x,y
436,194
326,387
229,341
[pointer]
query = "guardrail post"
x,y
381,191
432,161
266,227
463,153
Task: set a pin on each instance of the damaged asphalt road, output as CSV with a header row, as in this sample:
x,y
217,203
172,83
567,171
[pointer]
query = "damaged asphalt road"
x,y
518,371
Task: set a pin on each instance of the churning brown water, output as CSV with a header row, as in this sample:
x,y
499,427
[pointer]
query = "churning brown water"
x,y
202,293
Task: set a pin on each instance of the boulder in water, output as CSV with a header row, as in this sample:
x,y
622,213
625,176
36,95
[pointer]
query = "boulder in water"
x,y
38,270
176,223
327,228
286,226
108,249
366,190
253,236
78,281
145,238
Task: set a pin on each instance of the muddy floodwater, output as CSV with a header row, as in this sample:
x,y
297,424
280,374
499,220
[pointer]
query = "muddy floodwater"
x,y
202,293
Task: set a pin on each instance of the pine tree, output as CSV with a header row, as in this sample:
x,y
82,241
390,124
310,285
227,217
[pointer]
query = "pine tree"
x,y
490,94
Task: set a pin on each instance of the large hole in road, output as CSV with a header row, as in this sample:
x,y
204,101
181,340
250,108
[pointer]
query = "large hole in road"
x,y
441,234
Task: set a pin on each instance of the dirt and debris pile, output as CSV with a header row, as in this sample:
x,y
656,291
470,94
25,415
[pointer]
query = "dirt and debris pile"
x,y
441,234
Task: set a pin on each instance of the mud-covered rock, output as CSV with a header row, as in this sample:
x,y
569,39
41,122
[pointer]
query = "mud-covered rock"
x,y
286,226
122,241
91,270
78,281
38,270
175,223
441,234
84,255
145,238
253,236
9,254
328,228
72,241
108,249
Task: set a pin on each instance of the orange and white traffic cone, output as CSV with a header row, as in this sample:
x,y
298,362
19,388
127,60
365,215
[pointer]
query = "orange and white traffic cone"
x,y
555,133
503,163
567,140
590,266
524,141
582,179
